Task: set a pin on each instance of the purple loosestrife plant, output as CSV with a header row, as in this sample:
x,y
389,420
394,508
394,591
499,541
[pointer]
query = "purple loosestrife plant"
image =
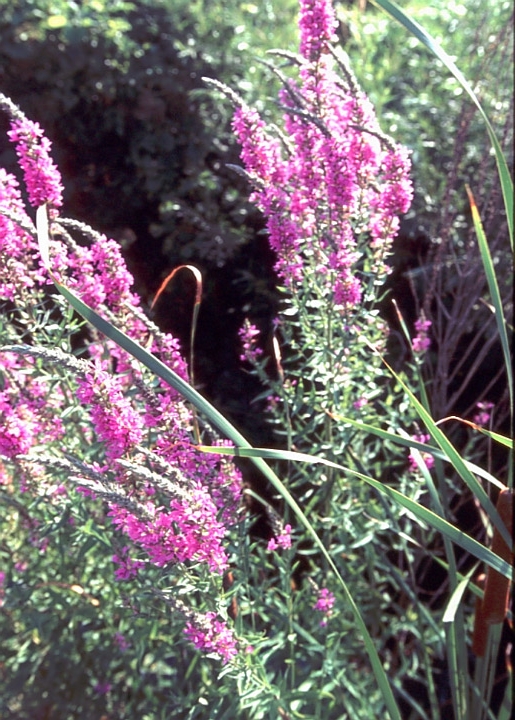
x,y
102,422
42,178
333,185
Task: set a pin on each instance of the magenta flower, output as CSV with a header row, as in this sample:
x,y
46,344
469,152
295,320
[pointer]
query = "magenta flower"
x,y
172,502
212,635
20,267
127,568
317,24
324,604
41,175
188,531
18,428
249,334
483,414
421,342
358,404
121,641
283,540
29,412
333,187
427,457
116,423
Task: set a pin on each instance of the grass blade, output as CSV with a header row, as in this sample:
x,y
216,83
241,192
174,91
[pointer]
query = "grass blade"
x,y
494,291
454,457
435,521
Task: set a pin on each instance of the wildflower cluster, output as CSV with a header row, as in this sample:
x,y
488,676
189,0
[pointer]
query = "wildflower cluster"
x,y
108,426
249,335
42,178
426,457
212,635
282,540
332,187
421,342
324,604
484,413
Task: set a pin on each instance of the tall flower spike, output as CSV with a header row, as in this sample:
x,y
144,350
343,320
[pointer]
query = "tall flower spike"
x,y
41,175
317,24
332,191
116,423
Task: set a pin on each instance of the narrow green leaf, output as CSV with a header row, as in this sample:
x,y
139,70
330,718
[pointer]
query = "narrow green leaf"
x,y
428,516
494,291
409,442
454,457
457,596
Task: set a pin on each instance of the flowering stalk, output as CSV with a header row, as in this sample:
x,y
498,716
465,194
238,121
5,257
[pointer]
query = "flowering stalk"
x,y
41,175
331,186
173,504
333,190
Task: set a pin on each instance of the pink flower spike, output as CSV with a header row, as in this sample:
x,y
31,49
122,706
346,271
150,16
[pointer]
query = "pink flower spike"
x,y
317,24
281,541
211,635
116,423
421,342
249,334
42,177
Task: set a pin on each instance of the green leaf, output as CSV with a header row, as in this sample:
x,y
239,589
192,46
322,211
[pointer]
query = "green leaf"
x,y
422,513
494,291
457,596
454,457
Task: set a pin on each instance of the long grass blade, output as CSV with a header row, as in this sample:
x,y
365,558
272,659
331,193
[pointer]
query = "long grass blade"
x,y
422,513
409,442
454,457
494,291
497,437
